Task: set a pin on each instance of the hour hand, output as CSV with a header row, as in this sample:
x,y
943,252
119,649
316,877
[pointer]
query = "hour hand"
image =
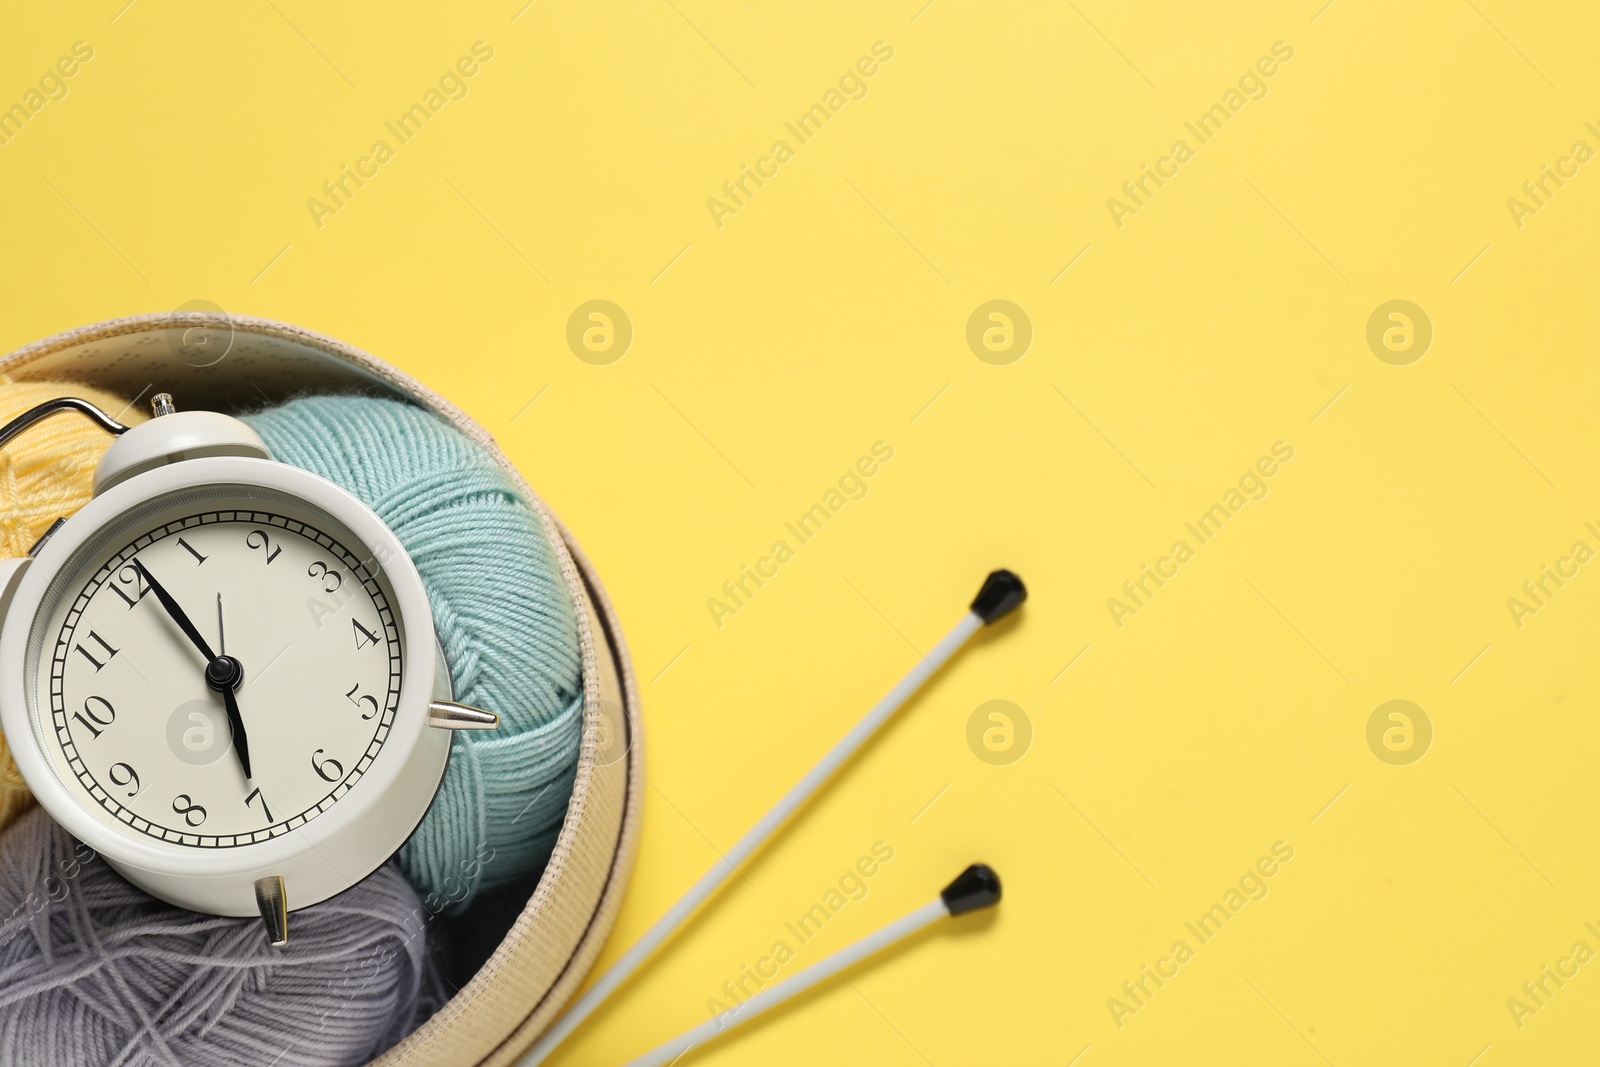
x,y
241,743
177,613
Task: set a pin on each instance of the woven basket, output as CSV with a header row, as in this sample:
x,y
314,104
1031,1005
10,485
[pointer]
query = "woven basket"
x,y
223,362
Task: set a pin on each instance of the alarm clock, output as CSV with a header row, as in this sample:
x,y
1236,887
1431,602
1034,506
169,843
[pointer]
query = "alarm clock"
x,y
221,674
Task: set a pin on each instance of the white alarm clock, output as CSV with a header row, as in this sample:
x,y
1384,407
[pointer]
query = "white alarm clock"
x,y
221,674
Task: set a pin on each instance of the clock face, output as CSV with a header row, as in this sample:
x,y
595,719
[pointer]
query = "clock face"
x,y
245,590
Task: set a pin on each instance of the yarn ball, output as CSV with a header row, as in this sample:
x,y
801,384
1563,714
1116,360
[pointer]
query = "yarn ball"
x,y
94,973
45,474
501,611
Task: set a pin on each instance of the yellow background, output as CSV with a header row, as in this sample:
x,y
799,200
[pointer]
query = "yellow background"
x,y
1229,313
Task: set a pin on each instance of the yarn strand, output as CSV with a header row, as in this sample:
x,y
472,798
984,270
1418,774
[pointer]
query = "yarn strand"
x,y
94,973
45,474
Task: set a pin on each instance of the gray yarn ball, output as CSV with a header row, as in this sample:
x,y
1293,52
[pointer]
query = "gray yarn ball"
x,y
95,973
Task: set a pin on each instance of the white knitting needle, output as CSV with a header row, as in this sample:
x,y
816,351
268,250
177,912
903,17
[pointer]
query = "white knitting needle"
x,y
1002,593
977,887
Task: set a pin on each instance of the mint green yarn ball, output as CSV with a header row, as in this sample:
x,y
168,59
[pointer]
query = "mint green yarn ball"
x,y
502,613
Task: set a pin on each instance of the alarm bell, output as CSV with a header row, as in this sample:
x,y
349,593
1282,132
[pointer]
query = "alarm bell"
x,y
173,436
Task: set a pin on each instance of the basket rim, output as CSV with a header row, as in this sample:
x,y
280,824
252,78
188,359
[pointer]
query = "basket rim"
x,y
583,585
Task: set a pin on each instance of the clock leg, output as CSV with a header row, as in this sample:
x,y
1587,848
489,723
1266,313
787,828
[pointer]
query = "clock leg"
x,y
274,905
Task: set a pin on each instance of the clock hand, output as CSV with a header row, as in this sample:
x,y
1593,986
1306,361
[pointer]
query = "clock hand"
x,y
176,612
223,673
235,723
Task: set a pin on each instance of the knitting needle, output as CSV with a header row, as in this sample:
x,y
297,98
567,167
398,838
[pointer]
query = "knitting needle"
x,y
976,887
1002,593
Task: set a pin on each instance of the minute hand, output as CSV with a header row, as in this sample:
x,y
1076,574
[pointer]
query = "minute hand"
x,y
177,613
223,673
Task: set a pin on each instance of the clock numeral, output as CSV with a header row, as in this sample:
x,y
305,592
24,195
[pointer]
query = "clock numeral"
x,y
321,767
105,650
198,558
362,632
131,576
259,539
367,699
128,777
192,813
256,795
331,579
94,723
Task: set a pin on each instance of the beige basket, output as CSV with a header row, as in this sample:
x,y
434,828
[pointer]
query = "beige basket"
x,y
554,942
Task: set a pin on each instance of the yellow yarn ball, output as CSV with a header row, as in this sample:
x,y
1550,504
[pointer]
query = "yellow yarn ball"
x,y
45,474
